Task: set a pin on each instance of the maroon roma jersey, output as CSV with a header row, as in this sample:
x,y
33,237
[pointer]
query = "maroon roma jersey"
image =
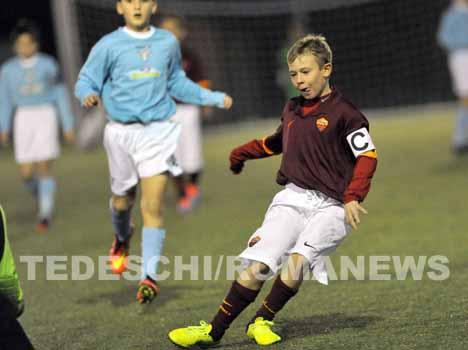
x,y
316,154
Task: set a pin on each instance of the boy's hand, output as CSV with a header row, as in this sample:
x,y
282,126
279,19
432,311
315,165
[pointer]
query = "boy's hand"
x,y
227,102
352,210
236,161
69,137
5,139
91,100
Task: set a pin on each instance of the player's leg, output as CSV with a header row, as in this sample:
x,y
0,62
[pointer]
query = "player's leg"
x,y
263,256
242,293
458,65
284,289
460,137
29,178
124,179
153,234
189,155
121,210
46,194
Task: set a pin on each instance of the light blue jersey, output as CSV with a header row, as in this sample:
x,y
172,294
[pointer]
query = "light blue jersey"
x,y
32,82
453,30
137,73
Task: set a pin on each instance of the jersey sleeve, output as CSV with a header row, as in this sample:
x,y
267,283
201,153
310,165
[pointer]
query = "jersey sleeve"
x,y
6,104
183,89
61,97
357,134
94,72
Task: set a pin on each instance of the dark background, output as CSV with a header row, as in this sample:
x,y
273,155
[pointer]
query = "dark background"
x,y
39,11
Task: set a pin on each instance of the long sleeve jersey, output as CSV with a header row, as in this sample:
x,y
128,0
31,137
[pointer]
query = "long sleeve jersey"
x,y
137,73
453,29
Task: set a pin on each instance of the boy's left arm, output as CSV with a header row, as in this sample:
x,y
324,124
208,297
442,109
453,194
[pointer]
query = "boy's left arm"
x,y
363,149
187,91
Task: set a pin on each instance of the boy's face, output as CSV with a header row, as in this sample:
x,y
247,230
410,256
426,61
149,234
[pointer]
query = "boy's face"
x,y
137,13
174,27
25,45
307,76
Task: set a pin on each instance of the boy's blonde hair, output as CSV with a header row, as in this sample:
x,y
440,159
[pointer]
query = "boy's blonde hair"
x,y
313,44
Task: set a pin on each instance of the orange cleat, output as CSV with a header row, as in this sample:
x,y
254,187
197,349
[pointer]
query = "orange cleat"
x,y
43,225
147,291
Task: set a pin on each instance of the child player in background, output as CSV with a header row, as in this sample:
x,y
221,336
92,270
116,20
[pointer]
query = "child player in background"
x,y
135,70
189,149
327,165
453,37
30,97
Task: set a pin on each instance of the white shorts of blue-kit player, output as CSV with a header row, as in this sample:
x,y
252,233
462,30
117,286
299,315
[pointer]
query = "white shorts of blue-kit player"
x,y
189,148
299,221
136,151
458,65
36,134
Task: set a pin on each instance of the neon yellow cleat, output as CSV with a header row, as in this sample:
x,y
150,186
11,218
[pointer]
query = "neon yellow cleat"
x,y
261,332
194,335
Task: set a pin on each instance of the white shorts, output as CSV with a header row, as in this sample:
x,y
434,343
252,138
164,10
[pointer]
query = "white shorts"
x,y
458,65
36,136
135,151
189,149
299,221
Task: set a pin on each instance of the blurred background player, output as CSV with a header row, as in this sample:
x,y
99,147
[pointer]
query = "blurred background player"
x,y
453,37
30,89
327,165
12,335
189,152
136,69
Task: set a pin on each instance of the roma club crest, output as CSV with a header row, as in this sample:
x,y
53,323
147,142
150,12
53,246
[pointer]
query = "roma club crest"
x,y
321,123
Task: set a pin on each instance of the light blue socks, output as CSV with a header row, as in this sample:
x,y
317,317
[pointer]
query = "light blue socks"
x,y
460,134
46,197
151,246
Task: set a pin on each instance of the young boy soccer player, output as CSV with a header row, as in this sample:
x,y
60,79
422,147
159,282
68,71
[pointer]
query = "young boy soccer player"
x,y
189,148
29,86
136,69
328,162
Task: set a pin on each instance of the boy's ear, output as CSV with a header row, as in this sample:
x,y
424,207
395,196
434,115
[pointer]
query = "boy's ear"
x,y
155,8
118,7
327,70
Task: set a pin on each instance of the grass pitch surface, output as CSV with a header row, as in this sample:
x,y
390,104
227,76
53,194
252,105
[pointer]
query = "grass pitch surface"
x,y
417,208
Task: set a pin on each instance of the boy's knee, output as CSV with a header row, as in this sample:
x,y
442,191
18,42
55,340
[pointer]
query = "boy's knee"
x,y
121,202
151,207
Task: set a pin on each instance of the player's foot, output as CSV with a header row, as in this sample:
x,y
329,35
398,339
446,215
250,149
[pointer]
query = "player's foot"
x,y
193,335
43,225
118,254
148,290
193,192
460,150
184,205
260,331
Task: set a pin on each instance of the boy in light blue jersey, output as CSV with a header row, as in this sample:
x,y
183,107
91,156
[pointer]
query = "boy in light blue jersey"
x,y
30,91
453,37
135,70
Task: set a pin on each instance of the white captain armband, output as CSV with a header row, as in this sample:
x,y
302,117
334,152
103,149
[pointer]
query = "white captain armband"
x,y
360,142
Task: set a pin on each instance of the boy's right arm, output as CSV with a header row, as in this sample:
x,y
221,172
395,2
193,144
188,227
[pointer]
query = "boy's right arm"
x,y
92,76
256,149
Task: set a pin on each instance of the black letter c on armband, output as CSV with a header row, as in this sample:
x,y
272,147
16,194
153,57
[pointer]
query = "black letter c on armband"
x,y
356,147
